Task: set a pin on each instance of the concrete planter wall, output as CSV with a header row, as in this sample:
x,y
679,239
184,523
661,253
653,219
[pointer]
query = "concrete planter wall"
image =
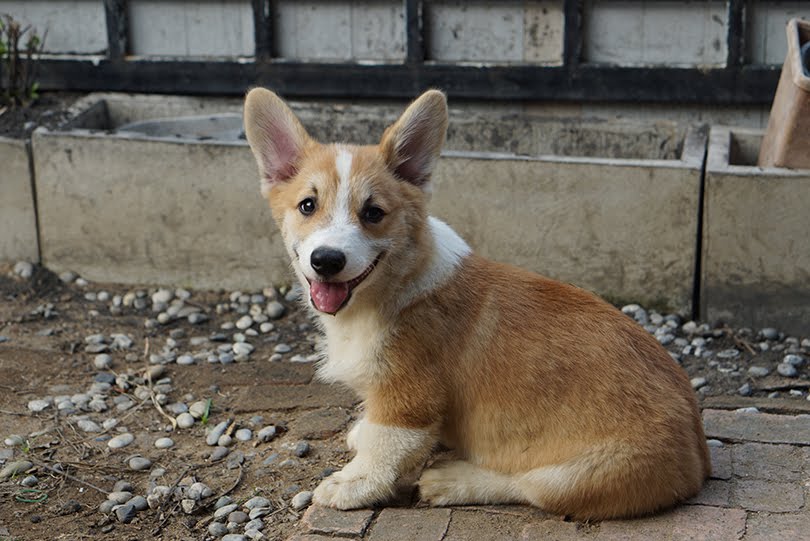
x,y
18,222
756,237
152,206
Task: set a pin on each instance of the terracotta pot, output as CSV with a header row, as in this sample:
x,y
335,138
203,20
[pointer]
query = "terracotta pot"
x,y
787,139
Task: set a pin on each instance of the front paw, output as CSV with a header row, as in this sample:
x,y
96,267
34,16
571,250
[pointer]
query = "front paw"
x,y
353,435
345,491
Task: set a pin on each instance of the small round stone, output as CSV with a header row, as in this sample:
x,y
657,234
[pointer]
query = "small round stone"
x,y
120,496
121,440
255,524
216,432
164,443
123,486
256,501
728,354
267,433
239,517
87,425
217,529
244,322
185,420
38,405
787,370
219,453
266,327
102,361
758,371
197,409
301,449
698,382
225,510
125,513
282,348
29,481
745,390
244,434
138,502
225,441
234,537
242,348
301,500
274,310
185,360
14,440
139,463
793,360
769,333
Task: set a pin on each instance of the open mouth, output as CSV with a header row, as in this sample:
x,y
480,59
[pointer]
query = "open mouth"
x,y
330,297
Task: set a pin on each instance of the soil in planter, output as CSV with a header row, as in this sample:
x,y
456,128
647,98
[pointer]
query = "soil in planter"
x,y
49,110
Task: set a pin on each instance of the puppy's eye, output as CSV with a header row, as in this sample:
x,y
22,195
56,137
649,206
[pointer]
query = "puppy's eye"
x,y
372,214
307,206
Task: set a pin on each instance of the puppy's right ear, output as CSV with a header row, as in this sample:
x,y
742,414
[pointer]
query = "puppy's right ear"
x,y
275,135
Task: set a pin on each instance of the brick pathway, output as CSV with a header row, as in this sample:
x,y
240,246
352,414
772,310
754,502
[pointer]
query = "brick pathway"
x,y
758,491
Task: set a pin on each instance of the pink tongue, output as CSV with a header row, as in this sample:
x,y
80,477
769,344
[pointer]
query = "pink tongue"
x,y
328,297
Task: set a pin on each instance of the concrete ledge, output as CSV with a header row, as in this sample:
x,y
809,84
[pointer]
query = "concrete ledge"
x,y
159,202
756,237
18,222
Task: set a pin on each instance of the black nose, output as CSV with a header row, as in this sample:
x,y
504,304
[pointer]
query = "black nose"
x,y
327,261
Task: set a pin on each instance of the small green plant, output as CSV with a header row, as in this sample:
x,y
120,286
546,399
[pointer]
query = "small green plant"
x,y
207,412
19,48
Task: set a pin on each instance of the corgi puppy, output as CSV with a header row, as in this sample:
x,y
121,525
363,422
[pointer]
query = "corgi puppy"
x,y
548,395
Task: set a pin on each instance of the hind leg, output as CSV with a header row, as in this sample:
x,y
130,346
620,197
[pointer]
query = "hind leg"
x,y
462,483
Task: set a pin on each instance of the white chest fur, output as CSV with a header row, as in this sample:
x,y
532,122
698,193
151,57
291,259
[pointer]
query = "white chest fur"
x,y
353,350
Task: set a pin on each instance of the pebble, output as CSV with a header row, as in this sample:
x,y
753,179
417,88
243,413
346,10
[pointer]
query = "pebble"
x,y
164,443
88,426
123,486
267,433
219,453
256,501
185,360
728,354
196,318
125,513
282,348
29,481
121,440
38,405
758,371
225,510
244,322
223,501
216,432
266,327
239,517
102,361
217,529
14,440
162,296
769,333
24,269
234,537
198,491
226,358
242,348
138,502
225,440
302,448
188,505
244,434
185,420
745,390
109,423
787,370
793,360
274,310
15,468
119,497
255,524
697,383
301,500
139,463
197,409
107,506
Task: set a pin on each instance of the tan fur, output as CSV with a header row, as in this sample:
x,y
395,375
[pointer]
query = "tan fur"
x,y
547,394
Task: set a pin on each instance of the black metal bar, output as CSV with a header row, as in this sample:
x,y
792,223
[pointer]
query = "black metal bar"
x,y
117,18
414,31
587,82
262,28
736,33
572,33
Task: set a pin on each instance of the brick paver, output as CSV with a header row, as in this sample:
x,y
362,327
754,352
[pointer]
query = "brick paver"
x,y
761,427
767,496
319,424
325,520
757,492
282,397
693,522
410,525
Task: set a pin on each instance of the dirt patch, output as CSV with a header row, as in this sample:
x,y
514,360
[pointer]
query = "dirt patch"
x,y
47,353
50,110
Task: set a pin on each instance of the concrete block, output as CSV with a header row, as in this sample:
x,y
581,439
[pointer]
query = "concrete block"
x,y
756,250
765,40
509,31
623,228
350,30
18,222
74,26
186,210
639,33
186,28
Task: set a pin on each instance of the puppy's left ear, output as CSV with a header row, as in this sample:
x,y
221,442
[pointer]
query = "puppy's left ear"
x,y
412,144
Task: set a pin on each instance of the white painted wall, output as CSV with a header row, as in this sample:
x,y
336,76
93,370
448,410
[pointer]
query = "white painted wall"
x,y
187,28
767,43
502,32
327,30
74,26
640,33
